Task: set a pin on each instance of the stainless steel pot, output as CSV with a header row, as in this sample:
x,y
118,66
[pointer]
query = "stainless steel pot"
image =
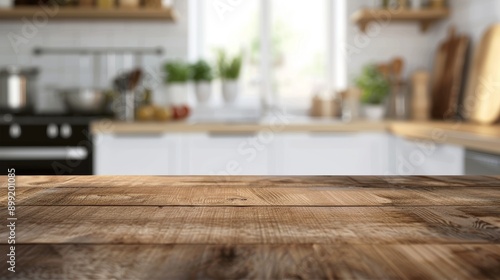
x,y
17,89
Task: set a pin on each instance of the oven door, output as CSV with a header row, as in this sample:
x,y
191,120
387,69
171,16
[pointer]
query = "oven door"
x,y
478,163
46,160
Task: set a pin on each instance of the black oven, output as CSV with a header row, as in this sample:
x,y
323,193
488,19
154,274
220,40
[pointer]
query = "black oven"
x,y
46,146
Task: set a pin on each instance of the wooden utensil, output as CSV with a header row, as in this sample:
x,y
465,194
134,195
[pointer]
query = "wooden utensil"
x,y
440,100
134,78
385,70
438,4
86,3
482,103
152,4
420,96
448,75
397,106
397,69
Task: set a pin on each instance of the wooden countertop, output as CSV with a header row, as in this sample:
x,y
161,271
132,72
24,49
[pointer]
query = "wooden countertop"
x,y
114,127
485,138
255,227
472,136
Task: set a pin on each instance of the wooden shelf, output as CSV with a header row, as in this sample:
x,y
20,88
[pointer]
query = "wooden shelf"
x,y
425,17
81,13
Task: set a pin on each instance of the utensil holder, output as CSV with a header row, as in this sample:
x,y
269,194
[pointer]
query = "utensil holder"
x,y
124,106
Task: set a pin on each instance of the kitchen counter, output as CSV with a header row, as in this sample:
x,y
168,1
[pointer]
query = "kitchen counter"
x,y
307,125
472,136
255,227
485,138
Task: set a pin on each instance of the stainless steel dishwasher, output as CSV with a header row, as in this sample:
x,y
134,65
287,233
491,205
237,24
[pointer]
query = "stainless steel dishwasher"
x,y
479,163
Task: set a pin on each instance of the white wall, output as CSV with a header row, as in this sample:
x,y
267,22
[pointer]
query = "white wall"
x,y
406,40
471,17
382,43
63,71
378,45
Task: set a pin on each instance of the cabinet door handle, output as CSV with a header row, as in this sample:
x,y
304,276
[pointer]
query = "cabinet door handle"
x,y
40,153
486,159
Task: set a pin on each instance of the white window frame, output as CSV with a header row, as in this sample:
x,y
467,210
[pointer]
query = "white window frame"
x,y
336,66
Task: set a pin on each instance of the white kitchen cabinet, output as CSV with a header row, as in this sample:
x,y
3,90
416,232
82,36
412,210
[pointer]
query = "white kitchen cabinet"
x,y
154,154
283,153
426,157
226,154
333,154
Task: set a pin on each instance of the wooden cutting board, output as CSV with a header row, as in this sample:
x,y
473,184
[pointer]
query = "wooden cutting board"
x,y
482,103
448,75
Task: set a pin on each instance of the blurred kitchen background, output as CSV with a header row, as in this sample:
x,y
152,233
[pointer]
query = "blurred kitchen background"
x,y
250,87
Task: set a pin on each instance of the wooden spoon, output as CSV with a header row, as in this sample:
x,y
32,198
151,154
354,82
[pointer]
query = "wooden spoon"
x,y
397,69
384,69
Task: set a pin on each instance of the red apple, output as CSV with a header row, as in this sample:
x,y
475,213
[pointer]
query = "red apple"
x,y
181,112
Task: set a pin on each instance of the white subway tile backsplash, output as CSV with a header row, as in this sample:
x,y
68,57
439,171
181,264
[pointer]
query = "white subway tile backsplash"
x,y
406,40
62,71
382,44
8,60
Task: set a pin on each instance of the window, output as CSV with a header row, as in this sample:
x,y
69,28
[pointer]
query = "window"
x,y
232,26
297,53
299,47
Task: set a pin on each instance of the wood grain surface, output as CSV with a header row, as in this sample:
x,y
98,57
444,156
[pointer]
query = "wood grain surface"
x,y
448,75
249,225
73,13
485,138
483,94
255,227
249,196
307,261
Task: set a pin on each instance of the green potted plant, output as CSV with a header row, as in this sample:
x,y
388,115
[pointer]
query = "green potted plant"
x,y
374,90
177,76
229,70
202,76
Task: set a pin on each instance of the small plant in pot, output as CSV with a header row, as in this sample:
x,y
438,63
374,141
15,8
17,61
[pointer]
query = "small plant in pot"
x,y
202,77
374,91
178,74
229,71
